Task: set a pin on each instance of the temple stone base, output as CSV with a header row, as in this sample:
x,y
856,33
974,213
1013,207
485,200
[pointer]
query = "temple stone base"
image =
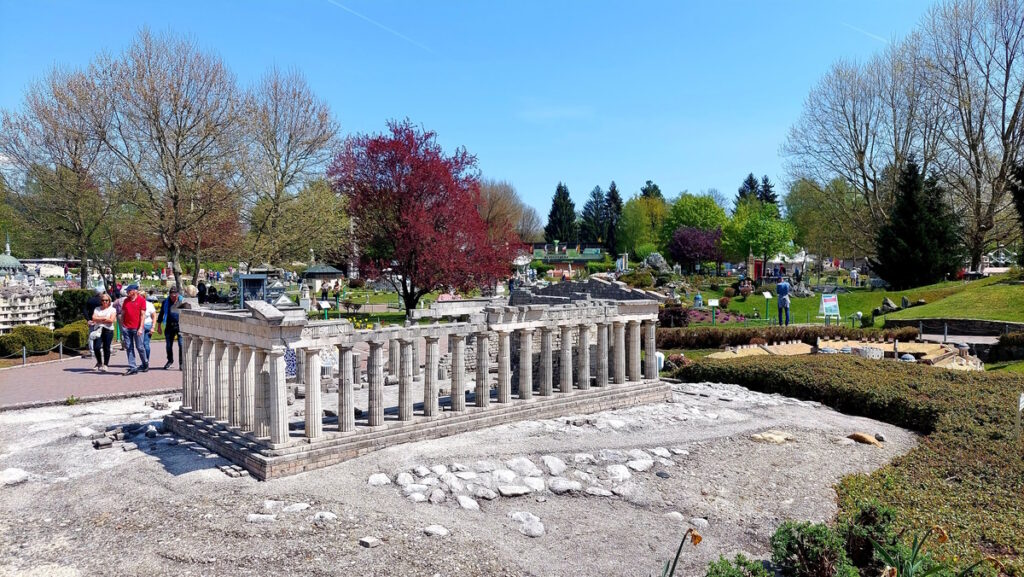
x,y
299,454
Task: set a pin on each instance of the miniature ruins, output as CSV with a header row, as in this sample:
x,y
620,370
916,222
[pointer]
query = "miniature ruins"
x,y
529,361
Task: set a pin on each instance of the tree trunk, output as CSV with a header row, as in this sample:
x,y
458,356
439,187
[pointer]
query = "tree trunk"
x,y
84,268
176,266
195,271
411,300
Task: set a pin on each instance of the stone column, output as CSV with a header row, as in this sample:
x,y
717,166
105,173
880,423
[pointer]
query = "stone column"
x,y
458,344
394,357
375,379
234,386
565,364
602,355
220,353
504,368
583,358
209,383
247,389
357,369
619,352
314,400
346,402
277,398
546,363
526,363
483,367
405,382
261,422
186,372
430,378
650,350
634,351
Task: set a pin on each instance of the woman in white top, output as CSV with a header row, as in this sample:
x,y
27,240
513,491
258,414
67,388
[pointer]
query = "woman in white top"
x,y
103,317
148,322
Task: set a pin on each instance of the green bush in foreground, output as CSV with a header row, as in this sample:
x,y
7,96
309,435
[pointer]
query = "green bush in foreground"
x,y
37,340
810,550
74,335
967,474
738,567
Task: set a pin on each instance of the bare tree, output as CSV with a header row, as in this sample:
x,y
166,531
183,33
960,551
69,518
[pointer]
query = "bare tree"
x,y
168,116
52,152
529,228
500,207
291,136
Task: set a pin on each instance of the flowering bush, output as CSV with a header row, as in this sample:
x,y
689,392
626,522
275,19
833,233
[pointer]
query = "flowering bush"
x,y
723,303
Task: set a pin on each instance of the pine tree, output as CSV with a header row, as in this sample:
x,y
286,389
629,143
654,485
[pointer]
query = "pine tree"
x,y
562,218
766,193
651,190
594,220
920,244
748,189
613,214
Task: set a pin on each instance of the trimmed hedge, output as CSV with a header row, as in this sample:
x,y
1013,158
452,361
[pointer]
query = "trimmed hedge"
x,y
715,337
74,335
38,340
966,475
69,306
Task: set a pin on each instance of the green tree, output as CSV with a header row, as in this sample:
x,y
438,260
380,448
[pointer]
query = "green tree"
x,y
765,232
767,191
692,211
594,220
640,227
562,224
920,243
613,212
651,190
748,189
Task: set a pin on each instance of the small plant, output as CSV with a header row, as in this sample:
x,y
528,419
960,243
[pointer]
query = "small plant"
x,y
810,550
71,400
738,567
670,566
869,522
729,292
914,562
745,291
723,303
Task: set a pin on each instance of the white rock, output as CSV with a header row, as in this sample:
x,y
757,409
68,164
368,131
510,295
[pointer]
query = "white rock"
x,y
439,470
680,452
421,471
583,458
485,493
628,490
270,505
513,490
674,516
458,467
561,485
666,462
438,496
414,488
523,467
585,477
403,479
637,454
378,479
454,484
640,465
529,524
435,531
484,466
468,503
295,508
534,483
616,424
503,476
417,497
618,473
612,455
429,481
86,432
523,517
661,452
257,518
466,475
598,492
369,542
699,523
13,476
774,437
324,517
554,465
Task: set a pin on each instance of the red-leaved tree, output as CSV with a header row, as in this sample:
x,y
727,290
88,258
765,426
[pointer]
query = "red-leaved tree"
x,y
414,212
690,246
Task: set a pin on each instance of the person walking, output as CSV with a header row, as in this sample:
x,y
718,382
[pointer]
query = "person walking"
x,y
169,317
133,309
103,317
782,291
148,320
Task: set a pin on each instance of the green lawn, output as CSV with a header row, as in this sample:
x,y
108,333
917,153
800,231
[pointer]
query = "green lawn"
x,y
995,302
1006,367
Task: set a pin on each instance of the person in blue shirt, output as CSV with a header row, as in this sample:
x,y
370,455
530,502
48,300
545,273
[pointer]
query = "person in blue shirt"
x,y
169,314
782,290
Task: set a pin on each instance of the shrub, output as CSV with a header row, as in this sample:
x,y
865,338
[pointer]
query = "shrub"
x,y
74,335
714,286
723,303
745,291
673,316
758,341
645,250
601,266
738,567
810,550
541,268
1012,339
356,282
638,279
729,292
716,337
38,340
69,306
869,521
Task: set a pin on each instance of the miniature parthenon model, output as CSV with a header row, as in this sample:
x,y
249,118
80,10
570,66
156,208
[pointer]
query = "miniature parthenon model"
x,y
581,356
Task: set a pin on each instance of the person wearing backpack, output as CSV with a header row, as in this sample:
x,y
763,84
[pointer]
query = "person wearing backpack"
x,y
169,318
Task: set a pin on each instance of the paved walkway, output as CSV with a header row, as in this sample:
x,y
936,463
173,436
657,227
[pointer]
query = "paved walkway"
x,y
57,381
957,339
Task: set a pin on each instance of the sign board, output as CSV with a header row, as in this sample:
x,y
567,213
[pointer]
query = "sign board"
x,y
767,295
713,303
1020,403
829,306
324,305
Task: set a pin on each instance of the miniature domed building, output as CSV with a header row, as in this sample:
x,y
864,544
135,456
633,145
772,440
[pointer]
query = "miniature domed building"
x,y
9,266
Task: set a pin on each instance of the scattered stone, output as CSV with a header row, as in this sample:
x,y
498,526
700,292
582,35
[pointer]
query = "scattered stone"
x,y
13,476
638,454
699,523
554,465
378,479
435,531
513,490
86,432
598,492
534,483
618,473
369,542
865,439
484,466
666,462
529,524
674,516
437,496
612,455
403,479
269,505
417,497
583,458
628,490
454,483
523,467
640,465
104,443
680,452
663,474
468,503
585,477
459,468
258,518
774,437
880,437
421,471
414,488
485,493
324,517
439,470
466,475
295,508
504,476
561,485
429,481
661,452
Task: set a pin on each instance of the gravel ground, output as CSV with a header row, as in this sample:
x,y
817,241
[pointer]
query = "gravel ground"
x,y
166,509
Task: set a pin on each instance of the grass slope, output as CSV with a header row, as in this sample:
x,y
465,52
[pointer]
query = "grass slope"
x,y
996,302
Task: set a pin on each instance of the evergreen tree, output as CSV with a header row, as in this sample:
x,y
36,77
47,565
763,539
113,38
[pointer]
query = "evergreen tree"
x,y
919,245
766,193
594,221
651,190
562,218
613,214
748,190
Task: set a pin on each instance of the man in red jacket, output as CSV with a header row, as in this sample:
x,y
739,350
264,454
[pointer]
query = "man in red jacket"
x,y
132,312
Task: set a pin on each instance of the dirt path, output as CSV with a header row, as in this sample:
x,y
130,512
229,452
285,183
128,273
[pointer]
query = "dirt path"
x,y
166,509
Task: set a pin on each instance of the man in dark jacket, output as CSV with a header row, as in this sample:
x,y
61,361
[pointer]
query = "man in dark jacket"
x,y
169,315
92,304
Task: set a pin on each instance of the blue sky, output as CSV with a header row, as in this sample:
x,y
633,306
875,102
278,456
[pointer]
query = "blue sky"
x,y
691,95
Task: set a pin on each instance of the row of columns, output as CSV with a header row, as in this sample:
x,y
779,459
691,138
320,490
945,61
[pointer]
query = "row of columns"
x,y
244,386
